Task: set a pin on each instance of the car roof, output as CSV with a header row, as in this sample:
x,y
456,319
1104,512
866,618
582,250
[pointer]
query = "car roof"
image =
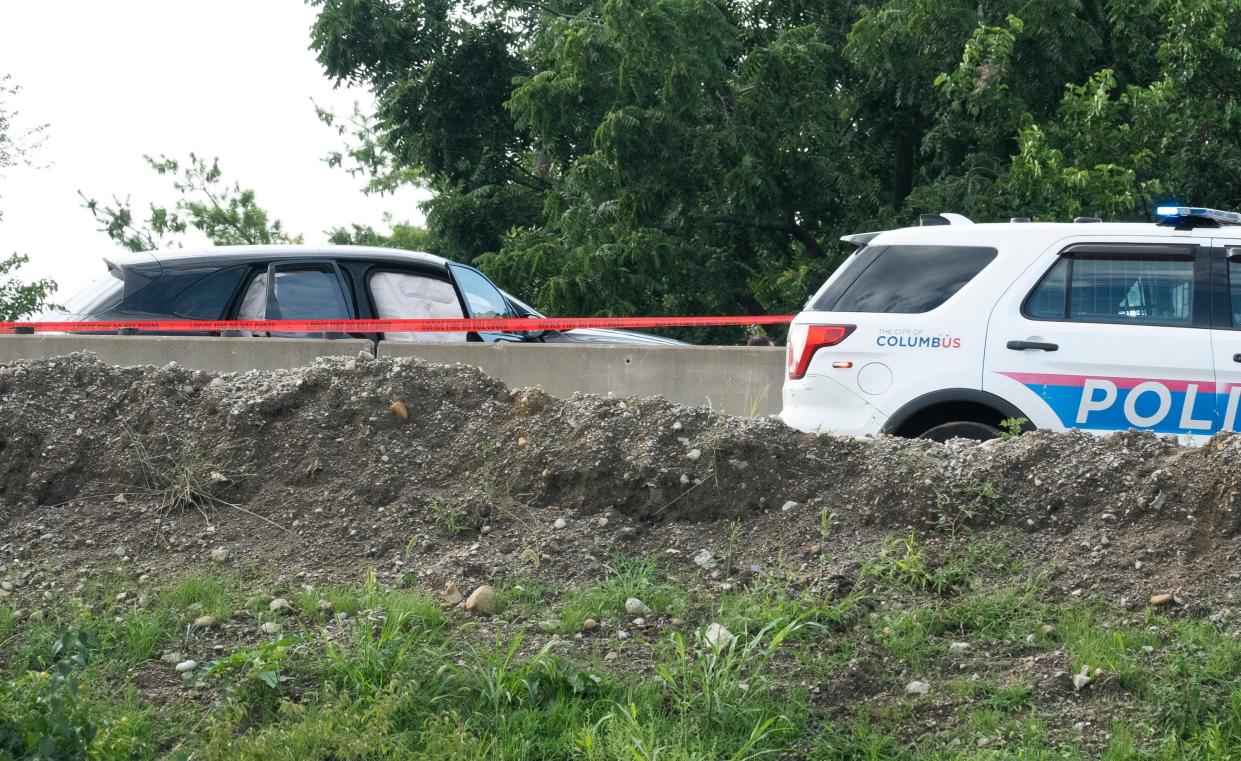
x,y
1037,235
242,254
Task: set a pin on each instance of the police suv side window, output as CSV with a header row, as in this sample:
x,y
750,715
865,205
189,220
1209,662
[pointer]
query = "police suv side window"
x,y
907,279
1234,284
1145,290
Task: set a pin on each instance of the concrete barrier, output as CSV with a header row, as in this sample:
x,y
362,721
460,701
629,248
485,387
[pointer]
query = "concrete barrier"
x,y
196,352
738,380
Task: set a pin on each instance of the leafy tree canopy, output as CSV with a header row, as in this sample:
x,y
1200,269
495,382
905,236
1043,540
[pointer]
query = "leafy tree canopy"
x,y
703,156
227,215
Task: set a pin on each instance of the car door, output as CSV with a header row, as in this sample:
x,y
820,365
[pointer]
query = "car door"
x,y
297,290
483,300
1107,336
1226,330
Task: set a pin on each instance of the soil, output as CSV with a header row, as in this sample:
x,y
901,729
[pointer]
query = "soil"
x,y
316,475
312,471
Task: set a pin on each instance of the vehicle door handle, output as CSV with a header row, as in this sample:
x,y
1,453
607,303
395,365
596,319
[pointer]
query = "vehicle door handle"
x,y
1236,357
1023,345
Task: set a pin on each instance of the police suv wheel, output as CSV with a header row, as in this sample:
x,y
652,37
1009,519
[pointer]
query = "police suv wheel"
x,y
961,430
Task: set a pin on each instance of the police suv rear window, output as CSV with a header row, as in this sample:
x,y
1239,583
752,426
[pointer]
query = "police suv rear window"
x,y
905,279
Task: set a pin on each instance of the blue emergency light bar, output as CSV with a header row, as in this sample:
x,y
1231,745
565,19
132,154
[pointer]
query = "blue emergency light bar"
x,y
1189,215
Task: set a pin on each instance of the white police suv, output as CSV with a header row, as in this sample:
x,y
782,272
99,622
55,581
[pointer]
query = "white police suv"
x,y
951,328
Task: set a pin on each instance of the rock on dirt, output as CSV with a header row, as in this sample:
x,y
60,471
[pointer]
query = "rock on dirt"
x,y
482,601
635,607
316,478
451,596
917,687
718,637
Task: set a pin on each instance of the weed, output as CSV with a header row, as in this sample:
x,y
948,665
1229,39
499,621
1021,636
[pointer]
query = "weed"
x,y
904,563
1012,612
252,671
192,476
954,515
1011,428
47,714
722,682
503,682
450,521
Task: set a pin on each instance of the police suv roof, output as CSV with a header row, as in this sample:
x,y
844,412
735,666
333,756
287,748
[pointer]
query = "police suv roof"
x,y
1034,234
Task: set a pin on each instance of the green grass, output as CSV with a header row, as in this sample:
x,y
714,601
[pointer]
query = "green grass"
x,y
1095,643
340,600
202,594
405,678
623,578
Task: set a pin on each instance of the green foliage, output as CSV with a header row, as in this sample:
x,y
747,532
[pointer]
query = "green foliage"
x,y
227,215
954,514
623,578
402,235
18,299
723,682
702,156
257,670
406,679
47,715
1011,428
904,563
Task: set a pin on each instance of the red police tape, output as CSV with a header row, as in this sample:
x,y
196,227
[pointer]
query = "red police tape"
x,y
496,325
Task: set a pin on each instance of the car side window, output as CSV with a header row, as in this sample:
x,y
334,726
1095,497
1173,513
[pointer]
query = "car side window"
x,y
208,297
307,293
299,292
407,295
1145,290
482,298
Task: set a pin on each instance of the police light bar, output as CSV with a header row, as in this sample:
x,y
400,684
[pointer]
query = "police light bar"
x,y
1188,215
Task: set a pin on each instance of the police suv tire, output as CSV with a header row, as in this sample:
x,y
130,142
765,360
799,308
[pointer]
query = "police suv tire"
x,y
962,429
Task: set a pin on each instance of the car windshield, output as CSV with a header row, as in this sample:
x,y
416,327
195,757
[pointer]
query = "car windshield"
x,y
521,305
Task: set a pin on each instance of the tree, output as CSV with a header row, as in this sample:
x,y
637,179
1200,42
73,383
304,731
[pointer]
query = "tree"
x,y
227,215
703,156
18,299
403,235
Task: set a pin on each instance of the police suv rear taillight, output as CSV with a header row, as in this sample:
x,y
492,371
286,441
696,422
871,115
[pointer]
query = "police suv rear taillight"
x,y
805,340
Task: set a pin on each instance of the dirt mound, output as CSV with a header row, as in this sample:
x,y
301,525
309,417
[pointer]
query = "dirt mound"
x,y
349,462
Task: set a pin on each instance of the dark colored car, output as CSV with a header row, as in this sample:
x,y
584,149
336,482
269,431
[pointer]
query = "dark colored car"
x,y
311,283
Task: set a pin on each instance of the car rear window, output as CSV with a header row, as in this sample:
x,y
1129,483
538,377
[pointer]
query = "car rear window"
x,y
906,279
209,297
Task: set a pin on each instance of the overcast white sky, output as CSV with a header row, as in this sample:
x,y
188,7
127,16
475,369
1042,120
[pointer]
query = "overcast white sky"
x,y
231,79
